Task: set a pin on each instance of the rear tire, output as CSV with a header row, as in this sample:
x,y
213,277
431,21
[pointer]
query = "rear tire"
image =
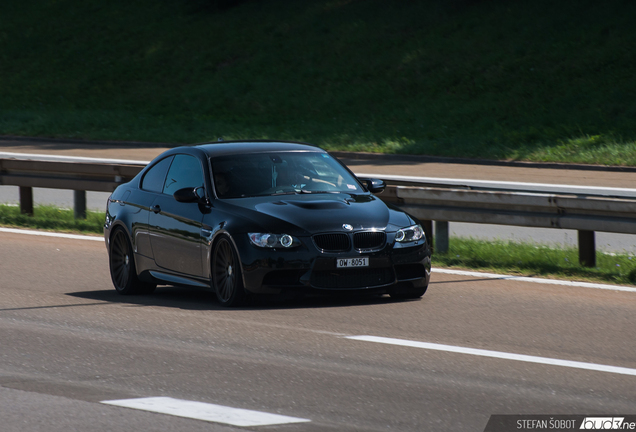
x,y
227,280
122,266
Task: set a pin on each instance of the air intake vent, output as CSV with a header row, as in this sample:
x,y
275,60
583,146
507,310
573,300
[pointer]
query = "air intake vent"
x,y
332,242
354,278
369,240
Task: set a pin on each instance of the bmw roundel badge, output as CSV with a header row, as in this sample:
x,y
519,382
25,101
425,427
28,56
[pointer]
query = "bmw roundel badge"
x,y
347,227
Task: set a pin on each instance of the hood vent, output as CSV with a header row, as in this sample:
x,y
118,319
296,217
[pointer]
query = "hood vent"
x,y
319,205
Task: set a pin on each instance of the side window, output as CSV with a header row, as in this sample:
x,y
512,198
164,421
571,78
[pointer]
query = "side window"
x,y
184,172
154,178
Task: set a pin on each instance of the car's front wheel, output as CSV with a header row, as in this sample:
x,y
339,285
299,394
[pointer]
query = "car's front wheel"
x,y
122,266
226,274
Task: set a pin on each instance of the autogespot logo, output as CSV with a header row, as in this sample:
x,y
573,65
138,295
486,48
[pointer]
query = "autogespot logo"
x,y
606,423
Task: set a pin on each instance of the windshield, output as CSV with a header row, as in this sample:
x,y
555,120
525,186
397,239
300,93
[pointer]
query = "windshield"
x,y
261,174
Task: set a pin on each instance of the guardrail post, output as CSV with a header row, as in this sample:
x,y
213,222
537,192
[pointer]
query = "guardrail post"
x,y
26,200
428,230
79,196
587,248
441,236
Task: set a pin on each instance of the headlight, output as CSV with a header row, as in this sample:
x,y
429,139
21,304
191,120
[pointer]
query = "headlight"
x,y
273,240
412,233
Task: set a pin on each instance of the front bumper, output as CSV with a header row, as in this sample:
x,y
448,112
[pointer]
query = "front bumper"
x,y
306,267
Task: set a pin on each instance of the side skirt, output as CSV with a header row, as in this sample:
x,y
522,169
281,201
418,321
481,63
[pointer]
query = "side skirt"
x,y
178,280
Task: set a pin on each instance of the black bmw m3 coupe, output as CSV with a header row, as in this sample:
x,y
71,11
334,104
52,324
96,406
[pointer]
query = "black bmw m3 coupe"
x,y
260,217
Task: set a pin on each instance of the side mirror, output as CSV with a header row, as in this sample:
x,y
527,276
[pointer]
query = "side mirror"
x,y
188,195
375,186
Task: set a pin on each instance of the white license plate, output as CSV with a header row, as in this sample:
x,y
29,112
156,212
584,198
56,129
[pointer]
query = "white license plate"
x,y
352,262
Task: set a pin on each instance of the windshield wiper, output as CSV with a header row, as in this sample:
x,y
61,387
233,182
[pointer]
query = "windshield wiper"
x,y
284,193
305,191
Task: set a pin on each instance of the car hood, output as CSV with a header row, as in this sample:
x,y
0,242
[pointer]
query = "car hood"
x,y
312,213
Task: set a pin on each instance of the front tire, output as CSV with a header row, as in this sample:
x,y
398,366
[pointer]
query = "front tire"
x,y
122,266
226,274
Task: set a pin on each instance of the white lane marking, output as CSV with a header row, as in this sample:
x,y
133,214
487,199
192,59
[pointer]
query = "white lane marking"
x,y
535,280
51,234
205,411
496,354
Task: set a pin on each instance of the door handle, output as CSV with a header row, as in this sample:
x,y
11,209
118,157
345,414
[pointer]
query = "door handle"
x,y
156,208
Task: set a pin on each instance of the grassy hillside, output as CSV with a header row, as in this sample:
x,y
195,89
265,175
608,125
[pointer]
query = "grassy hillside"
x,y
534,80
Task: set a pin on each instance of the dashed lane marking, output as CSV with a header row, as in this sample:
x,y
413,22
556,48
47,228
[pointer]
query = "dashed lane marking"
x,y
496,354
205,411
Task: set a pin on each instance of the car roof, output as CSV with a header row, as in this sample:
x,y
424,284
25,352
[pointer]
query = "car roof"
x,y
224,148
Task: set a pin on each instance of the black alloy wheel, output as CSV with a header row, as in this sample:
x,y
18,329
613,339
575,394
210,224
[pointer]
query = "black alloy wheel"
x,y
122,266
226,274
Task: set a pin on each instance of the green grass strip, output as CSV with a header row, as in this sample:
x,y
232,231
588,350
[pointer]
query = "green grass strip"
x,y
52,218
538,80
528,259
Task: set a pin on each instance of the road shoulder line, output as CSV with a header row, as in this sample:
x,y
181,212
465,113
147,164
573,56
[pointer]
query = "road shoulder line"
x,y
51,234
536,280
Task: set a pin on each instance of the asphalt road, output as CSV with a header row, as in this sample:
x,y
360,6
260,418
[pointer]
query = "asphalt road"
x,y
68,342
410,166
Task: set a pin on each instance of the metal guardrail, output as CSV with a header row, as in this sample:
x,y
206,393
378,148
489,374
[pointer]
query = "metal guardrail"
x,y
505,186
585,209
518,208
586,214
66,175
58,172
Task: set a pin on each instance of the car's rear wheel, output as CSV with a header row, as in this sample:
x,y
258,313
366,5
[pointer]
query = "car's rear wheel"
x,y
226,274
122,266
